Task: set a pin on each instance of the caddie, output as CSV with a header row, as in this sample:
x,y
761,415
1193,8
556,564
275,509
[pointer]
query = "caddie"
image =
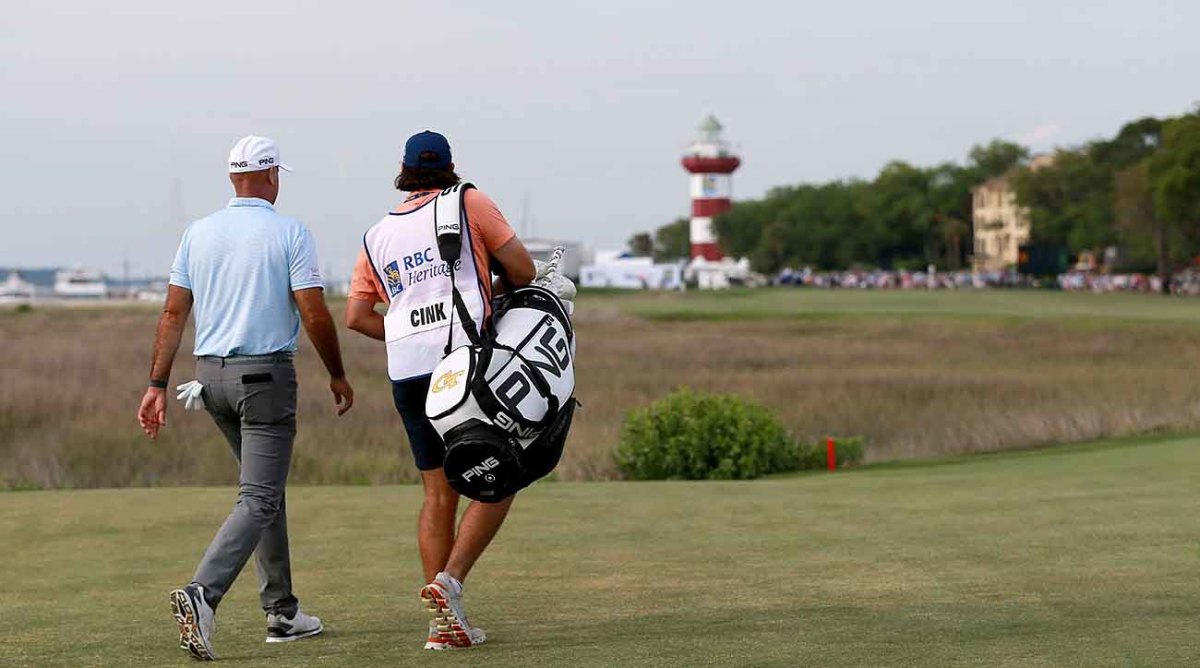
x,y
252,277
400,267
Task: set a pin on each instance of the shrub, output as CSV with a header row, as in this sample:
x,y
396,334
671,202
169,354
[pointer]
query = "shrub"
x,y
695,436
847,451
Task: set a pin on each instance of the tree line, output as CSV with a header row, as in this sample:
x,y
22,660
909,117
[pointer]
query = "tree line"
x,y
1138,192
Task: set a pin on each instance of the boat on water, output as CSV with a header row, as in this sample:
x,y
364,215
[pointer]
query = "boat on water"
x,y
80,283
16,290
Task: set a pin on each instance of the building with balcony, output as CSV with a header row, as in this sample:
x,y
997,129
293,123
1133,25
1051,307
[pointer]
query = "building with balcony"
x,y
1001,225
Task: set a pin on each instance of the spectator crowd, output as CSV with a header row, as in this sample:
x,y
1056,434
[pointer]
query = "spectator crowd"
x,y
1186,282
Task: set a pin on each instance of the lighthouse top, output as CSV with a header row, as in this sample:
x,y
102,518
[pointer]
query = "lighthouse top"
x,y
709,143
710,129
710,152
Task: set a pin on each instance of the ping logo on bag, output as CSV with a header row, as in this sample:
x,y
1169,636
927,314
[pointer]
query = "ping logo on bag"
x,y
554,350
447,381
482,469
507,423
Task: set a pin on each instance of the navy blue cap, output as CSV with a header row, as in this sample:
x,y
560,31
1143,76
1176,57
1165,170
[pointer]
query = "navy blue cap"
x,y
427,142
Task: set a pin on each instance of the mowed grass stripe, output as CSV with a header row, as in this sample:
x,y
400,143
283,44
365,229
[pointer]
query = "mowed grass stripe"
x,y
1064,556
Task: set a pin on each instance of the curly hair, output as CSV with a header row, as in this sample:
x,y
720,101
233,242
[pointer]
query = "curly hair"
x,y
412,179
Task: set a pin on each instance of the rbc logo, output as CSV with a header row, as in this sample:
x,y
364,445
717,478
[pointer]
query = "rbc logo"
x,y
392,271
417,259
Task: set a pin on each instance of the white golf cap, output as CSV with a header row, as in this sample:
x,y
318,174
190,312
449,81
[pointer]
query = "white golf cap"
x,y
254,154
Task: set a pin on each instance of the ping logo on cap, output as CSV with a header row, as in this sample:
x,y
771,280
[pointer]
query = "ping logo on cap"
x,y
254,154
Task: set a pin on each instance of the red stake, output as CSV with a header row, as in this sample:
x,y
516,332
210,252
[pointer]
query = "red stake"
x,y
830,454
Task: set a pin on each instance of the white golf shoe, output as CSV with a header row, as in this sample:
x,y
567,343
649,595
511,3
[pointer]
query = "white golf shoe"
x,y
443,599
283,629
435,639
197,622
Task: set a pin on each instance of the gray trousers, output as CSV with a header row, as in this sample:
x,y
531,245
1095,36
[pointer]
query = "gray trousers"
x,y
253,401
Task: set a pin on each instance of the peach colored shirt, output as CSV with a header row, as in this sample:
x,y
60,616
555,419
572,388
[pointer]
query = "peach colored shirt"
x,y
489,231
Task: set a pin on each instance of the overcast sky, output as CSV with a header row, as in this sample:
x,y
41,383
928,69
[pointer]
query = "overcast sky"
x,y
116,117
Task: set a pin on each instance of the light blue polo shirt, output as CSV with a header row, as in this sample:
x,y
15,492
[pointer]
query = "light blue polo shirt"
x,y
242,264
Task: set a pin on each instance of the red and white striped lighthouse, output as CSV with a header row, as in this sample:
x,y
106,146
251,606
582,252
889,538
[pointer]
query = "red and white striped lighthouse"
x,y
711,166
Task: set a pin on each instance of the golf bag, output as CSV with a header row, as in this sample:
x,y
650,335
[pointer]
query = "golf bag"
x,y
504,403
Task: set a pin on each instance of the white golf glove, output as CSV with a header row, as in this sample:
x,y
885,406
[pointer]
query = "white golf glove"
x,y
189,394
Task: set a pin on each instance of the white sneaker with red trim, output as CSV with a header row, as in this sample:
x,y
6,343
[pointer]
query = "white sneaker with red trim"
x,y
435,639
443,599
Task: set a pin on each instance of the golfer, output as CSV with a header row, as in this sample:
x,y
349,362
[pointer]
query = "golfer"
x,y
253,278
400,267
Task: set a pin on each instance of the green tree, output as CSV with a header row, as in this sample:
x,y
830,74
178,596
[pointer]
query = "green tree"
x,y
901,215
740,228
641,245
1134,143
996,158
950,194
1143,243
672,241
1069,201
910,216
1072,202
955,234
1175,172
1174,180
822,226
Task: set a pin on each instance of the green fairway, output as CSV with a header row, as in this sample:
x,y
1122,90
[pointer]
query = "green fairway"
x,y
799,302
1078,555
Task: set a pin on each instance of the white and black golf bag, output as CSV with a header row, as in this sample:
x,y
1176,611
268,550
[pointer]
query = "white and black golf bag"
x,y
503,404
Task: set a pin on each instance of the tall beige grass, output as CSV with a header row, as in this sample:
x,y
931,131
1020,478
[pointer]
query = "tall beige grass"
x,y
70,380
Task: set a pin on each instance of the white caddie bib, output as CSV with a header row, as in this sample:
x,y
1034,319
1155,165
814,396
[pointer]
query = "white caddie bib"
x,y
403,251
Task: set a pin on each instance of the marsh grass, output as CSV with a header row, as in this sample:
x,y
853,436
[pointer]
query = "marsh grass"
x,y
915,384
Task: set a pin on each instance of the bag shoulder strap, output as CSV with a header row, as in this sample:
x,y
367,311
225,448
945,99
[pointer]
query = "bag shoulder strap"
x,y
449,218
450,215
